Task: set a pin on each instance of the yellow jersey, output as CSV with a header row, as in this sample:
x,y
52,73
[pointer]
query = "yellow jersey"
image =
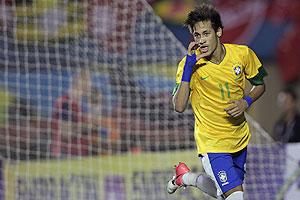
x,y
212,86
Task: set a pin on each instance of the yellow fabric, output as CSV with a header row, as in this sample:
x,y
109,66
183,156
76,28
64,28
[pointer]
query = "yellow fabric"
x,y
212,86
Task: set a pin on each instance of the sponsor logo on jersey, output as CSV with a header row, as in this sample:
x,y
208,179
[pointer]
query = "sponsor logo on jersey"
x,y
203,78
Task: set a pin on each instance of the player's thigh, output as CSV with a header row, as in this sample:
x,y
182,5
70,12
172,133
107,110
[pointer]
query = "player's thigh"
x,y
220,167
239,160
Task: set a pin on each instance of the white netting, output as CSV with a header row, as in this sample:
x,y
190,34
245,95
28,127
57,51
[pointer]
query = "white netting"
x,y
122,138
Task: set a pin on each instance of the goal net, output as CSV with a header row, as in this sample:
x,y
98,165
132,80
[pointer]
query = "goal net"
x,y
85,109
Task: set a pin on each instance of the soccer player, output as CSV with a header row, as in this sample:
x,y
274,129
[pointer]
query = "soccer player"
x,y
212,76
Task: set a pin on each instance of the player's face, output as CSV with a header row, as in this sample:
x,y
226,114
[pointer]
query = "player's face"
x,y
206,37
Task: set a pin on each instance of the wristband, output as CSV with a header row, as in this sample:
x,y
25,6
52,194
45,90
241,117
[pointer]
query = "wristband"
x,y
249,100
188,67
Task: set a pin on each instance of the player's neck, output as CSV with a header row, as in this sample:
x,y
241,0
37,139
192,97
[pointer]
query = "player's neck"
x,y
218,55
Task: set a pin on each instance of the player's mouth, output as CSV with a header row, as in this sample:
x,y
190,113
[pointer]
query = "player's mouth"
x,y
204,49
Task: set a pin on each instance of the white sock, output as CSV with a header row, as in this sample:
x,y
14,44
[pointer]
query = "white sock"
x,y
238,195
201,181
190,179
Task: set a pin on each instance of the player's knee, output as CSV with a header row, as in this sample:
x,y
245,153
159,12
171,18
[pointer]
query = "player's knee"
x,y
237,195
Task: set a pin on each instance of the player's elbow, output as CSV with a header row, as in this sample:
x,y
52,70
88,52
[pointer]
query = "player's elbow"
x,y
262,88
179,104
179,108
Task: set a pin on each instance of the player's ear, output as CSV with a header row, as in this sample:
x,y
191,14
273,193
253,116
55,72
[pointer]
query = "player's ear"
x,y
219,32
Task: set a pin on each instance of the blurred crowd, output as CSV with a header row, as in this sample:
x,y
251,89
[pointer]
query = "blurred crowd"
x,y
82,122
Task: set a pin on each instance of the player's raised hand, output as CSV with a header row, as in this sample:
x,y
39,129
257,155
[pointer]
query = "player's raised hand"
x,y
192,47
236,108
191,50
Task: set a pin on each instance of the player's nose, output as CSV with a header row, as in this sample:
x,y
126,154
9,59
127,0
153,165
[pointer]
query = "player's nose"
x,y
201,41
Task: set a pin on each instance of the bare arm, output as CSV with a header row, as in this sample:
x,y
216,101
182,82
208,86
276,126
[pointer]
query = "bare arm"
x,y
237,107
181,97
256,92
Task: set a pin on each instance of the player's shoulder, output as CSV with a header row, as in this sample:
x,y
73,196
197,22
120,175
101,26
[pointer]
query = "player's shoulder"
x,y
237,47
181,62
239,51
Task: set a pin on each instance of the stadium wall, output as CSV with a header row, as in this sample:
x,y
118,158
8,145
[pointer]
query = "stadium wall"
x,y
133,177
112,177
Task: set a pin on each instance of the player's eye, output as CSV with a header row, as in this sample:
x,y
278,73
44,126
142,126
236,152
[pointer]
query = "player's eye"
x,y
205,34
196,35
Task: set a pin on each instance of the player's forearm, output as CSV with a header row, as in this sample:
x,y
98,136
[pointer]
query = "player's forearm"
x,y
181,97
256,92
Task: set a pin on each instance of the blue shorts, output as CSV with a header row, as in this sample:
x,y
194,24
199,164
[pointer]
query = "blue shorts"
x,y
226,169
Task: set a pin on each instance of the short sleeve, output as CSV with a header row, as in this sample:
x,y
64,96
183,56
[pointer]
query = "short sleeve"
x,y
178,75
252,64
180,70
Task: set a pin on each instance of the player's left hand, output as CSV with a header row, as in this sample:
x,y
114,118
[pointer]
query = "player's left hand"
x,y
236,108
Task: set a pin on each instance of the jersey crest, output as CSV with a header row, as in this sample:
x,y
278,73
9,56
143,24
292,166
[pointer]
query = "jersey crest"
x,y
237,70
223,177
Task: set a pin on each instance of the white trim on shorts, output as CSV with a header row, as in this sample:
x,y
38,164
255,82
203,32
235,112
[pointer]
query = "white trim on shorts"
x,y
208,169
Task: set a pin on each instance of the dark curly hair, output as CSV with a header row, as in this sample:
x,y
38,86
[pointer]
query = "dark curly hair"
x,y
204,12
